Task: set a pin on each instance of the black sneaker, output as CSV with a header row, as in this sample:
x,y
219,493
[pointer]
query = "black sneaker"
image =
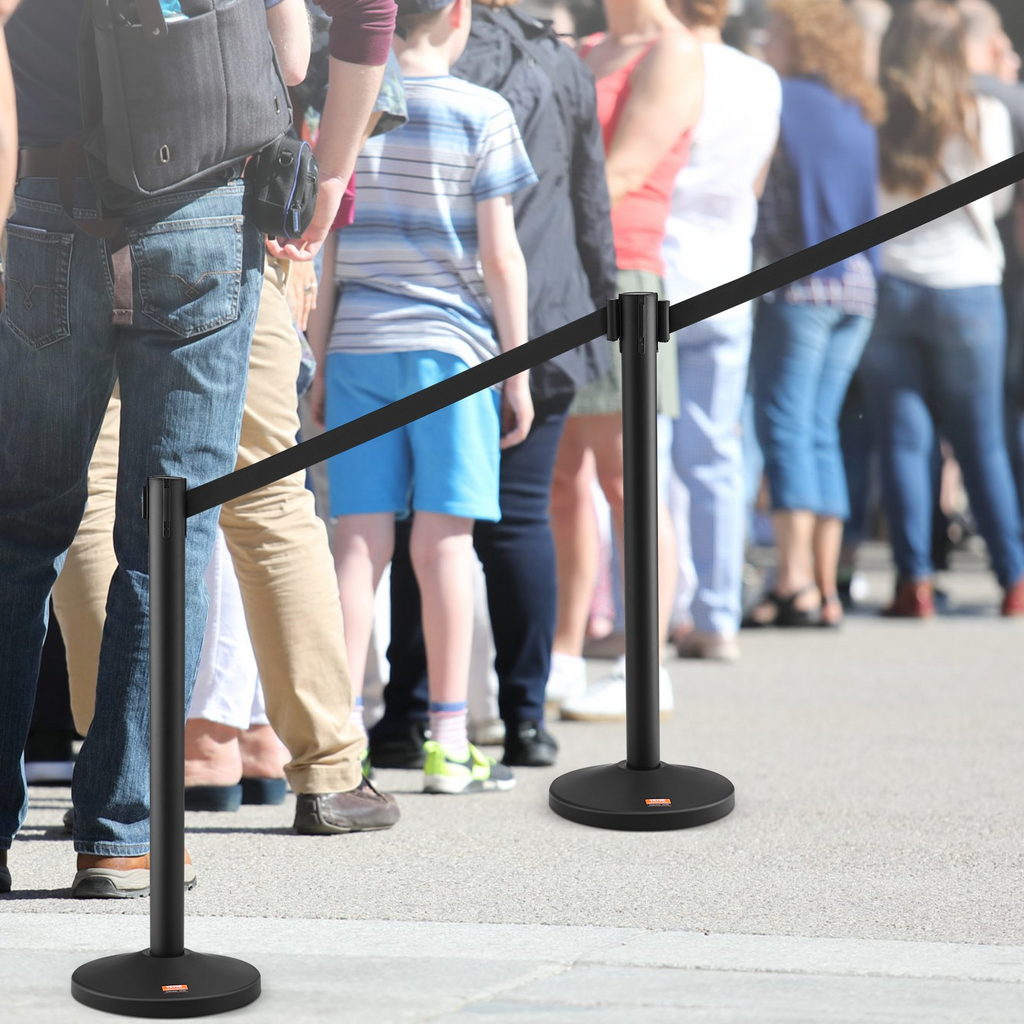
x,y
363,809
404,750
49,758
530,745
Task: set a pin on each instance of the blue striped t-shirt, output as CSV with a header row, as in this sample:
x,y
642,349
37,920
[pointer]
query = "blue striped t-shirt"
x,y
409,266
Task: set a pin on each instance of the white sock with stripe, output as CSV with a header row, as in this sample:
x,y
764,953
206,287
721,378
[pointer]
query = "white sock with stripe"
x,y
357,715
448,727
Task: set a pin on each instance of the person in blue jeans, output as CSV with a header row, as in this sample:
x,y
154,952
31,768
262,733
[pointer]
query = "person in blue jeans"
x,y
936,360
804,357
935,363
181,362
182,368
808,337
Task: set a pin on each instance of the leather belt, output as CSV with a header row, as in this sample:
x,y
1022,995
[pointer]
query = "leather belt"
x,y
46,162
42,162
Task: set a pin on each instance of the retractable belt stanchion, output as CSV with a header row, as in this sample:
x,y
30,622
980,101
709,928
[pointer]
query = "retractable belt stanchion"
x,y
641,793
166,980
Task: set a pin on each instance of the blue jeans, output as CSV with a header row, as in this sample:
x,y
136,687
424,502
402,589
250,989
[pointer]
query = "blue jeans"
x,y
182,368
935,362
707,451
803,359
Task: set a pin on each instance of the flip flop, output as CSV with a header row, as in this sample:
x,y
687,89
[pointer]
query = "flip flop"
x,y
263,791
213,798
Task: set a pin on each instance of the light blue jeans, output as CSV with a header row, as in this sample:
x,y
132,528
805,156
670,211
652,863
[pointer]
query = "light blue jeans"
x,y
707,453
182,367
804,357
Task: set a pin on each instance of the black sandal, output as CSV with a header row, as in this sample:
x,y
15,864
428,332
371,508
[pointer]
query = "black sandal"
x,y
787,615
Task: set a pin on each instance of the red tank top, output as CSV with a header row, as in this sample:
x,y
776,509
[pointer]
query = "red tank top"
x,y
638,219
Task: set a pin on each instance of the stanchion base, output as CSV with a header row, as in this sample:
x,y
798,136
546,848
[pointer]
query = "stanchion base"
x,y
140,985
667,797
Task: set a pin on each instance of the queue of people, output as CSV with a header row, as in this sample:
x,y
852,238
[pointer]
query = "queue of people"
x,y
487,177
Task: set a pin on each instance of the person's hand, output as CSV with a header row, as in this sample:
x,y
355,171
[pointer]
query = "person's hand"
x,y
302,293
516,411
315,397
7,8
328,199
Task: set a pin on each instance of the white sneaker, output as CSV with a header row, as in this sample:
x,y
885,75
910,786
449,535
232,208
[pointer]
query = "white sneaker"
x,y
567,679
605,699
711,646
490,733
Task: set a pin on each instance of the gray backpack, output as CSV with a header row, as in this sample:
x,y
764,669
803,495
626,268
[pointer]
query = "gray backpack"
x,y
166,103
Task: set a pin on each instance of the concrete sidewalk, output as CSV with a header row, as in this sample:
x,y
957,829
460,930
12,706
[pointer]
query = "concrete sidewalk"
x,y
384,972
872,871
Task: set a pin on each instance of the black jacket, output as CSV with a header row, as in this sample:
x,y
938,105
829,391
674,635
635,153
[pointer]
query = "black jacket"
x,y
563,222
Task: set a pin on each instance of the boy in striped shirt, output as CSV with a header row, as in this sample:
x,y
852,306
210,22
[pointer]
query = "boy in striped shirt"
x,y
433,281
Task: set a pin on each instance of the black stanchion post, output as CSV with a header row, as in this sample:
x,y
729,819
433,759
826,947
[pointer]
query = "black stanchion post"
x,y
166,980
641,793
165,507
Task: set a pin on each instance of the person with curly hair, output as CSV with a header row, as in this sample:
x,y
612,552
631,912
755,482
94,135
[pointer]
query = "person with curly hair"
x,y
808,337
936,361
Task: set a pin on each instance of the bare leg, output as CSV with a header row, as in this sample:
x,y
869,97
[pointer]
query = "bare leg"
x,y
828,542
794,538
263,754
441,550
363,547
212,756
575,532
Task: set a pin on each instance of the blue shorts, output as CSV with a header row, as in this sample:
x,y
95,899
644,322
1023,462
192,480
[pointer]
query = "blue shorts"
x,y
446,462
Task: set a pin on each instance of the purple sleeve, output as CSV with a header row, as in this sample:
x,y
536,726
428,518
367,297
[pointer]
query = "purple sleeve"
x,y
361,30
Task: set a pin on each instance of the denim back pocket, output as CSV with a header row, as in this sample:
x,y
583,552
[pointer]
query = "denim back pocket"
x,y
38,268
190,272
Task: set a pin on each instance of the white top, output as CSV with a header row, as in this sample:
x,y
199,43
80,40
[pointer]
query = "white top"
x,y
714,209
962,249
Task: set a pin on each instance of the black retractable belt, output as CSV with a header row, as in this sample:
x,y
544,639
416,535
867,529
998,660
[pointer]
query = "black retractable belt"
x,y
594,325
640,792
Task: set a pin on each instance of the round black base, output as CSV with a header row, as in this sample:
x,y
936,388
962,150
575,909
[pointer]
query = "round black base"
x,y
140,985
667,797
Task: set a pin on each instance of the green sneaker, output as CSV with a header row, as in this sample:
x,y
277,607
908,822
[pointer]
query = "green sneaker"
x,y
367,767
477,774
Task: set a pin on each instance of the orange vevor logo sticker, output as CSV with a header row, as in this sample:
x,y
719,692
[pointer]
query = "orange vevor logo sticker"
x,y
658,803
174,988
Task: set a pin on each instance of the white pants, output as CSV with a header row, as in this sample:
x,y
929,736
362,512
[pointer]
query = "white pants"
x,y
228,689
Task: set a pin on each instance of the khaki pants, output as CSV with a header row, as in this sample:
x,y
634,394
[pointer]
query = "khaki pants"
x,y
282,560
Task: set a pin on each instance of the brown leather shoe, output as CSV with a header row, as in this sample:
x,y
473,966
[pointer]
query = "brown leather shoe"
x,y
363,809
1013,601
915,599
105,878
